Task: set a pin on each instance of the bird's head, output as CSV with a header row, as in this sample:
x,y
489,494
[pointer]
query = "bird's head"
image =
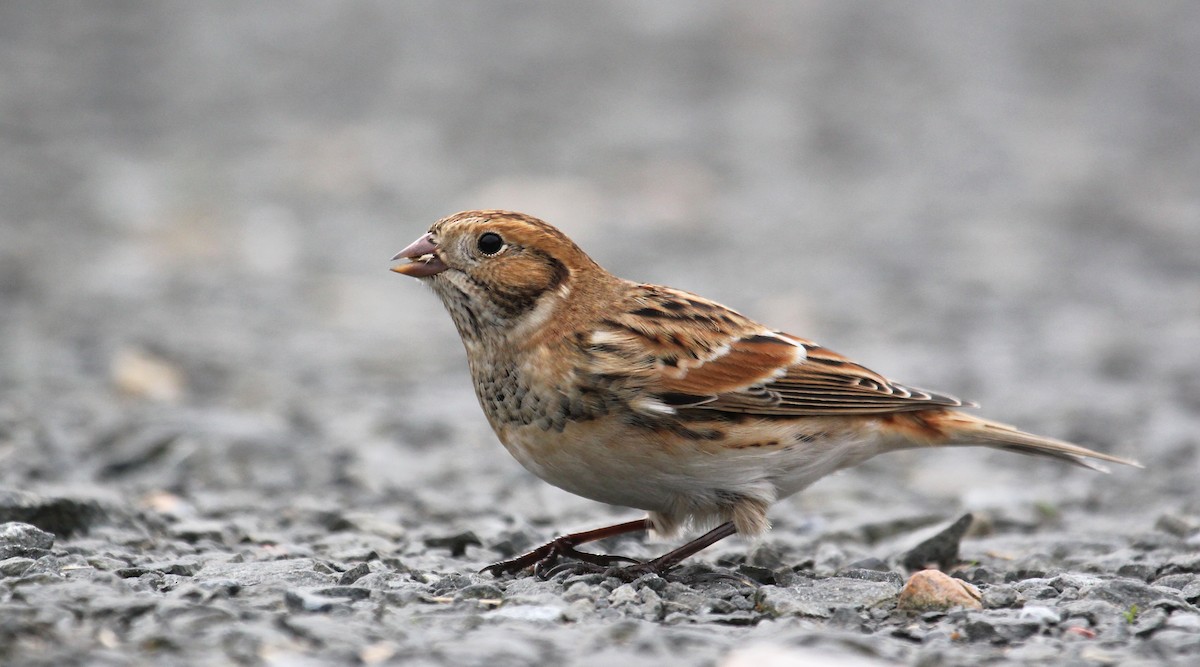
x,y
497,272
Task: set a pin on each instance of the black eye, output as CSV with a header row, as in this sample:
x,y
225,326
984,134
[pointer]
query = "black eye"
x,y
490,243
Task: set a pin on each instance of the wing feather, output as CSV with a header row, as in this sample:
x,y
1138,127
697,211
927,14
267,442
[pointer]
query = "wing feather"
x,y
692,353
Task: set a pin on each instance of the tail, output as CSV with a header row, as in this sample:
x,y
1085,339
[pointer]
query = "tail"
x,y
951,427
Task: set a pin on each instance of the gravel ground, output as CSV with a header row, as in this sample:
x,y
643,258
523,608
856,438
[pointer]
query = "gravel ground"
x,y
229,435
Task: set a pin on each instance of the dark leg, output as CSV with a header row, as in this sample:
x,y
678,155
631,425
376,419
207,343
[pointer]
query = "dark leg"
x,y
672,558
545,555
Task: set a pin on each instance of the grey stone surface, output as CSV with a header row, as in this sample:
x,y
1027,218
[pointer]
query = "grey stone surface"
x,y
254,445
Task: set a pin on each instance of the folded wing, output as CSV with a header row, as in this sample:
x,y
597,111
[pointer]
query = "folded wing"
x,y
685,352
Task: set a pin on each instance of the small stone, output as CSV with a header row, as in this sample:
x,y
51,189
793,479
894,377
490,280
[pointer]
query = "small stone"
x,y
999,630
1179,526
821,597
652,604
15,566
354,574
64,517
1094,612
142,374
579,610
688,601
377,653
720,607
457,544
980,575
1040,614
1184,621
593,578
766,556
847,618
873,575
930,590
1125,593
1149,620
941,550
180,568
1000,597
22,539
1191,592
785,577
624,594
196,530
449,584
293,571
581,591
651,581
307,601
345,592
871,563
479,592
760,574
1024,574
106,563
1188,562
1176,581
1036,589
980,631
1141,571
220,588
1178,642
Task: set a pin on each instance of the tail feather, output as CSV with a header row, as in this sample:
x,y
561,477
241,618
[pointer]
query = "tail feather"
x,y
964,429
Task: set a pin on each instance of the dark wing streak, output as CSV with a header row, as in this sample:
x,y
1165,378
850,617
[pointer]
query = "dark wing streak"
x,y
826,383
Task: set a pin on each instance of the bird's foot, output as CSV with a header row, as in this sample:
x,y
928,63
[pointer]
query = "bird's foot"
x,y
544,558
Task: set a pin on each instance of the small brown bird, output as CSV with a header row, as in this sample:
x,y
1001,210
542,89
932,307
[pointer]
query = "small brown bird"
x,y
651,397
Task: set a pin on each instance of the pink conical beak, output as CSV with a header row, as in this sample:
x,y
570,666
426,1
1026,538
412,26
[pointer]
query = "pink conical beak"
x,y
423,260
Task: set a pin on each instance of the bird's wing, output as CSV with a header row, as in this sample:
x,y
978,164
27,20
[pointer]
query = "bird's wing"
x,y
680,351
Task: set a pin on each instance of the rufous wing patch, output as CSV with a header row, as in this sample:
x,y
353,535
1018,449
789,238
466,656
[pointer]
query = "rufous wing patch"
x,y
746,362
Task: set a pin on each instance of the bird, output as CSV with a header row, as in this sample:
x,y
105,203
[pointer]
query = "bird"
x,y
653,398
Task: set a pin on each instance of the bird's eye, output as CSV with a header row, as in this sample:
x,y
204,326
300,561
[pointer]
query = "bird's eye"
x,y
490,243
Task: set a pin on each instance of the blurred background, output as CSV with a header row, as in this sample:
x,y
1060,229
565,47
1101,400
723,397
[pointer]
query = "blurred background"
x,y
198,202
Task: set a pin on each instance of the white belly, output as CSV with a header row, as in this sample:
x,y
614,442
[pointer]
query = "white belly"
x,y
670,475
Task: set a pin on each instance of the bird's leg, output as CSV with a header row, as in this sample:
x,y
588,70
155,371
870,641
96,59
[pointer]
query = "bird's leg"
x,y
564,546
672,558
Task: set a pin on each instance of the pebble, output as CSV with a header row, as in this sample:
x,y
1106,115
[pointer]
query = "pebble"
x,y
1191,592
624,594
291,571
1142,571
196,530
873,575
1001,596
309,601
60,515
941,550
1178,525
15,566
929,590
822,596
457,544
22,539
1040,614
1127,592
354,574
999,629
479,592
